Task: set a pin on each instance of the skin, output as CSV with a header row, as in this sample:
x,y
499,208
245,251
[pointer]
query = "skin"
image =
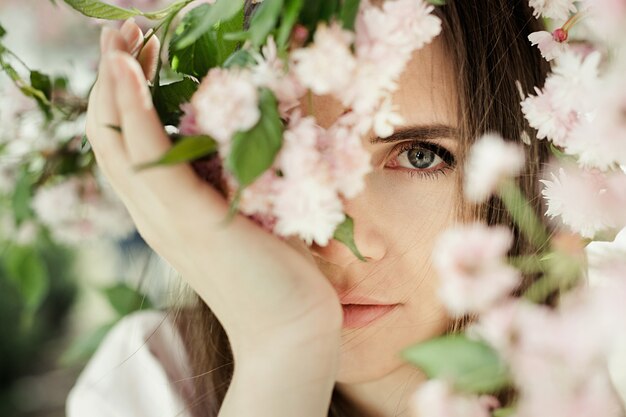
x,y
397,218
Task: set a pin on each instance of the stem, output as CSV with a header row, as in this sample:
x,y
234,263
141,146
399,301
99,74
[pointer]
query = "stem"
x,y
573,20
528,264
522,213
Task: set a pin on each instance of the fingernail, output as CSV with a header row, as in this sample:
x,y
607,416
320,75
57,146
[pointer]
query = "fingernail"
x,y
127,26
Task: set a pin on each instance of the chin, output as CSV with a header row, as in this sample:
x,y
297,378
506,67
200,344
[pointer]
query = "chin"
x,y
356,368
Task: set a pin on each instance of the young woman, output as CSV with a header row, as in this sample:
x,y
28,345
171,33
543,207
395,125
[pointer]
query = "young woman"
x,y
268,335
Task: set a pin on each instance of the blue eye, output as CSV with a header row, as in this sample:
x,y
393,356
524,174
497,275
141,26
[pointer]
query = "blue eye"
x,y
422,158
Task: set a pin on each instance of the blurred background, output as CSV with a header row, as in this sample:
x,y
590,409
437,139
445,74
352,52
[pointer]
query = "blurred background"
x,y
71,262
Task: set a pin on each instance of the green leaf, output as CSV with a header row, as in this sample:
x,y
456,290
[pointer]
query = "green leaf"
x,y
186,149
241,58
125,299
26,268
84,347
22,195
42,83
473,366
504,412
345,234
437,2
211,49
222,10
2,31
348,13
264,20
169,97
253,152
101,10
288,20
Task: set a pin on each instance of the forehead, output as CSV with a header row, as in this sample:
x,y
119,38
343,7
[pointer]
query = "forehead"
x,y
426,94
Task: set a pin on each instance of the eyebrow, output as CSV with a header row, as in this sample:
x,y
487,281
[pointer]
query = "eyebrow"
x,y
433,131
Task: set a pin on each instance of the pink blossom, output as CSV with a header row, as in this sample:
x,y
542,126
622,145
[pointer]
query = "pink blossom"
x,y
436,398
549,45
558,356
557,108
586,201
270,71
300,156
555,9
308,208
473,272
490,161
349,162
226,102
188,125
415,19
316,66
600,138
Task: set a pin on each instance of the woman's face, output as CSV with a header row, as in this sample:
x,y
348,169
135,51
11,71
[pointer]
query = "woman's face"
x,y
408,200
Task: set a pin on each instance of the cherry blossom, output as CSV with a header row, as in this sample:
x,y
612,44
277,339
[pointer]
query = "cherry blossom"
x,y
490,161
472,269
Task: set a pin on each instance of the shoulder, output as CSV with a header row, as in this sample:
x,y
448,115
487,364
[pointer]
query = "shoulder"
x,y
140,369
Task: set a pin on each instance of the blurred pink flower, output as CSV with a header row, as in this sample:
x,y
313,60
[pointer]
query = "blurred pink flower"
x,y
436,398
473,273
316,66
558,357
226,102
587,201
490,161
599,140
79,210
564,99
188,125
349,162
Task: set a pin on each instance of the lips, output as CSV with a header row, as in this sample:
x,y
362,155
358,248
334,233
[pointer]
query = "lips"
x,y
361,315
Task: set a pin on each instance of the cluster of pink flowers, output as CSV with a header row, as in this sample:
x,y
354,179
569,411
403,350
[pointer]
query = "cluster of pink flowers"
x,y
566,360
580,109
301,194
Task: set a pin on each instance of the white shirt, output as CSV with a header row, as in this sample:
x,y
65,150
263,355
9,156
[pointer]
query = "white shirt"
x,y
140,370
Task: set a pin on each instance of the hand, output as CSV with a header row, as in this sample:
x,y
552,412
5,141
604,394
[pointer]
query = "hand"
x,y
262,289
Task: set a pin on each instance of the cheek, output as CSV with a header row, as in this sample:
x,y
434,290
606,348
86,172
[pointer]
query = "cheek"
x,y
415,209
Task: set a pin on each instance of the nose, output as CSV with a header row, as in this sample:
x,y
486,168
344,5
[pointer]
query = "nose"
x,y
368,235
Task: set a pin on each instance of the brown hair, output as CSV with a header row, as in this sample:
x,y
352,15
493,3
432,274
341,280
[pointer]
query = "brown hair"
x,y
488,45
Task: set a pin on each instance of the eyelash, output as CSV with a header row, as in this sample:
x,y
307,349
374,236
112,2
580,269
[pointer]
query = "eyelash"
x,y
440,151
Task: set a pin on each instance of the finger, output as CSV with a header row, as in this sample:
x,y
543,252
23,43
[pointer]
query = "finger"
x,y
145,137
133,36
148,57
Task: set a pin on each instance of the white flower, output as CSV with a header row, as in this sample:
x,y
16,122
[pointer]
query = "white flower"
x,y
226,102
490,161
549,47
79,210
386,118
436,398
471,266
555,9
326,65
